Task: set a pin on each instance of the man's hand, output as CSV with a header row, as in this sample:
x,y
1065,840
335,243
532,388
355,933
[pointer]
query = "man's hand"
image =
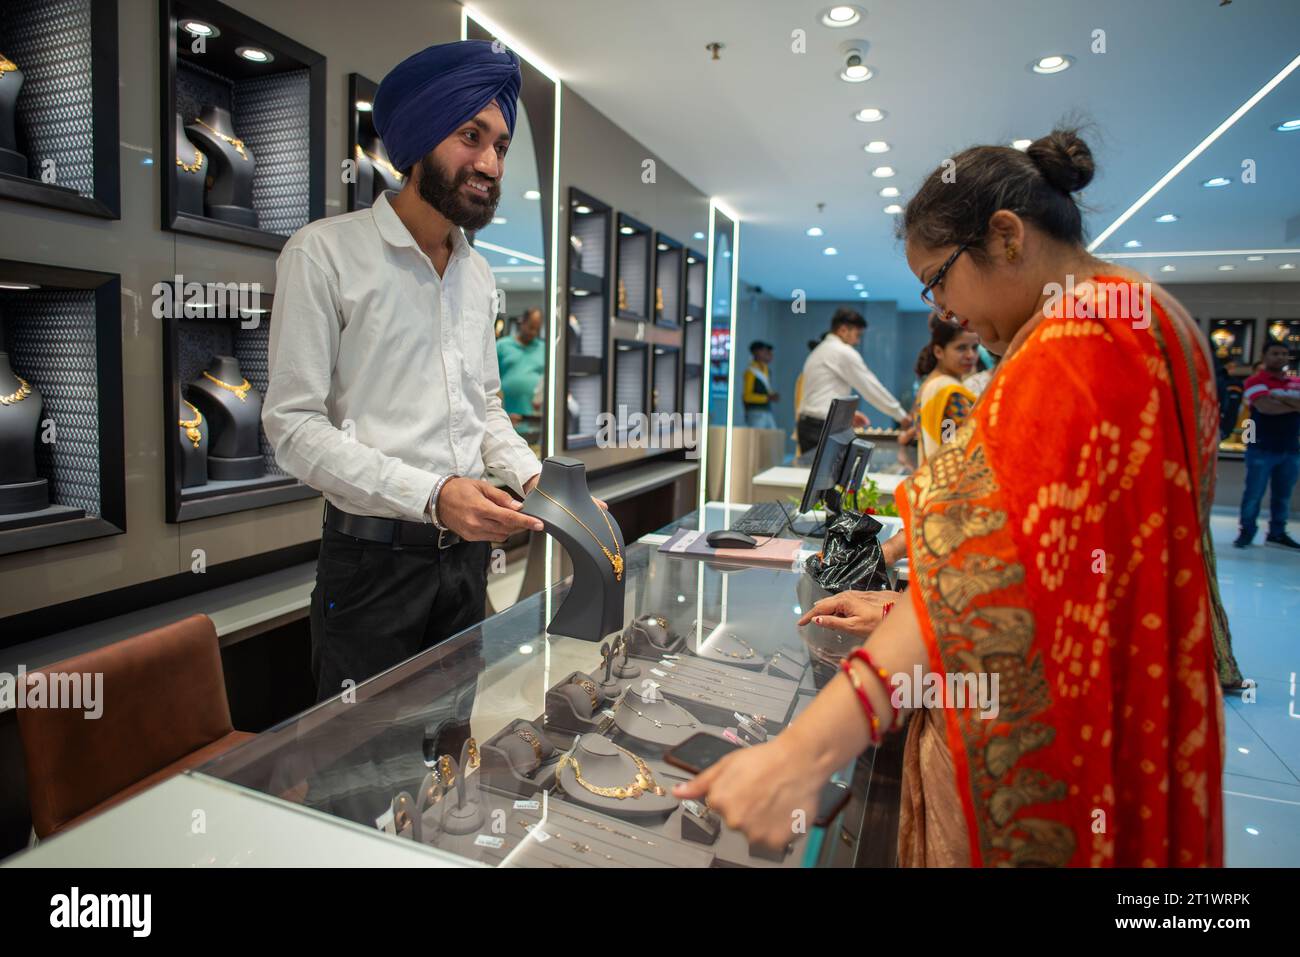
x,y
894,548
514,418
478,511
860,420
774,397
906,421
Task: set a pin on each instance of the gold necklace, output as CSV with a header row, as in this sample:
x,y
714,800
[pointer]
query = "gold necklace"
x,y
749,649
23,391
644,781
7,65
580,848
239,390
191,426
615,557
655,721
234,141
603,827
192,167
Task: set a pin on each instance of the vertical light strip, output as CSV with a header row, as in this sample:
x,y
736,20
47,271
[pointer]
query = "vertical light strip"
x,y
707,371
554,337
1200,148
731,367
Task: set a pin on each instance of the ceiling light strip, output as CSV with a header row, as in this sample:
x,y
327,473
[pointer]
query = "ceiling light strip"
x,y
1200,148
507,251
524,53
1201,252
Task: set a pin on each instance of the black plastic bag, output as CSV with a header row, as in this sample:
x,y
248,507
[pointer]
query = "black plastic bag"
x,y
851,556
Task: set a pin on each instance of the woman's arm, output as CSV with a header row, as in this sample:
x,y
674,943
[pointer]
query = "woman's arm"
x,y
766,791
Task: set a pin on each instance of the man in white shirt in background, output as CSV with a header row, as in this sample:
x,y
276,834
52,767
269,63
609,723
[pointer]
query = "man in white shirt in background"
x,y
835,369
384,390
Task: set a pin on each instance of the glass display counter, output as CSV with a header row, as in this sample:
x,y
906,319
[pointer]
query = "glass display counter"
x,y
505,746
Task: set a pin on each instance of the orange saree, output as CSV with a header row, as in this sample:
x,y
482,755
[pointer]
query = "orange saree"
x,y
1060,541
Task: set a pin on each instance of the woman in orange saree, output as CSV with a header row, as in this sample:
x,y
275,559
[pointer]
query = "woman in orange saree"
x,y
1059,552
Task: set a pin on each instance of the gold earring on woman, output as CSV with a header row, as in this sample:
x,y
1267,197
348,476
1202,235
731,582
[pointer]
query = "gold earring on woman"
x,y
1012,251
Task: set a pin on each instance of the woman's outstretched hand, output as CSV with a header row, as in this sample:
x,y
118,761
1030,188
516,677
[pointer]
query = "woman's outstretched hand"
x,y
856,613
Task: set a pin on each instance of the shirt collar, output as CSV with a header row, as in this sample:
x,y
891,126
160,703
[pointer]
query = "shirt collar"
x,y
395,233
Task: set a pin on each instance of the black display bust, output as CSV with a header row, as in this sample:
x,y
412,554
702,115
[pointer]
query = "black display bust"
x,y
21,489
593,607
234,442
230,167
11,161
189,179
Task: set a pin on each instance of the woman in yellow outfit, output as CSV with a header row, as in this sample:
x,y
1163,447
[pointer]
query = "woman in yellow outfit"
x,y
944,403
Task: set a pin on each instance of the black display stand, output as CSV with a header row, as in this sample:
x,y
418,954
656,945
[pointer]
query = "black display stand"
x,y
372,171
64,464
586,334
265,175
62,150
229,340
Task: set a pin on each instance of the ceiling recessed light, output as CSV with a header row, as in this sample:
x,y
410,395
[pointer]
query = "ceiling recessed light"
x,y
889,192
255,54
814,230
1133,244
856,71
18,286
1021,144
863,295
199,28
1254,259
663,247
1217,182
690,260
877,146
830,251
365,106
512,261
626,230
870,115
532,194
858,285
852,277
841,16
697,236
1287,266
893,209
1227,267
883,172
1051,64
1169,268
1288,126
582,210
1167,218
499,220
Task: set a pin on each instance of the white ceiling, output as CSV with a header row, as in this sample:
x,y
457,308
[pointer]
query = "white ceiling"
x,y
771,131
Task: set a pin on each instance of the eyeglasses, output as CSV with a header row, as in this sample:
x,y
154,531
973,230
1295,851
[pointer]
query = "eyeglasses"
x,y
927,293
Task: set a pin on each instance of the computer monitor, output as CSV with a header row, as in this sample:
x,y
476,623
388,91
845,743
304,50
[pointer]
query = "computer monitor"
x,y
832,451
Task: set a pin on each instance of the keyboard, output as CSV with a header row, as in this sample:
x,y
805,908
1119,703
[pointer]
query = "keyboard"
x,y
765,518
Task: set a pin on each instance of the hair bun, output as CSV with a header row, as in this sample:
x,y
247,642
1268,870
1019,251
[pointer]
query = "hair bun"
x,y
1064,160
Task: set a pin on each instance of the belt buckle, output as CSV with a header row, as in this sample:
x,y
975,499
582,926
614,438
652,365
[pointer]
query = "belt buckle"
x,y
447,538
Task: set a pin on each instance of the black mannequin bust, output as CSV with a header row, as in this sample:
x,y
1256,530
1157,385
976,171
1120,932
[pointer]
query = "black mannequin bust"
x,y
193,445
230,167
192,175
593,607
233,417
21,490
11,83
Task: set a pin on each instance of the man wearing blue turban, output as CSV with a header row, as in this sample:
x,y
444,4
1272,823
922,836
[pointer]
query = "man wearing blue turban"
x,y
384,389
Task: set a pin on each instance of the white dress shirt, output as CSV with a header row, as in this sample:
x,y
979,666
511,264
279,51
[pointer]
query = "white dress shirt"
x,y
383,374
835,369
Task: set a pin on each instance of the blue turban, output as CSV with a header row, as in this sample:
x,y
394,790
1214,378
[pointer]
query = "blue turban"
x,y
428,95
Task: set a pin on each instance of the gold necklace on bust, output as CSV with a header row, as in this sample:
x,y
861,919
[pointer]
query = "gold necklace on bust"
x,y
234,141
192,167
7,65
240,390
642,784
191,426
22,392
615,557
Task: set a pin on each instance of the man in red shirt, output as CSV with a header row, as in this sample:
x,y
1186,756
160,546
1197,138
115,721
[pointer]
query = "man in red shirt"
x,y
1273,452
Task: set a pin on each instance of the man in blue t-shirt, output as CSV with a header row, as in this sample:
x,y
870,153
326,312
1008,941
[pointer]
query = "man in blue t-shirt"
x,y
1274,452
521,359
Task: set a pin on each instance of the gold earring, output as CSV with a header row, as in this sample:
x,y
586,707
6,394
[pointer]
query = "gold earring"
x,y
1012,251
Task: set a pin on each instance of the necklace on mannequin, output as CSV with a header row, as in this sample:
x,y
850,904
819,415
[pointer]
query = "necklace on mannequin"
x,y
234,141
22,392
615,557
241,390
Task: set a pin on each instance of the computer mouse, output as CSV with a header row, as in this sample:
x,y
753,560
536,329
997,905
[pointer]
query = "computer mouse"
x,y
727,538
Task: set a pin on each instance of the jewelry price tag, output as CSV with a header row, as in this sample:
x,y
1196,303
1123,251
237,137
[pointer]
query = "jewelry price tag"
x,y
661,674
488,840
666,658
540,834
385,822
528,806
668,664
608,713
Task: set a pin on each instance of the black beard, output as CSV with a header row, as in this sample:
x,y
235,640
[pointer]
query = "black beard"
x,y
444,194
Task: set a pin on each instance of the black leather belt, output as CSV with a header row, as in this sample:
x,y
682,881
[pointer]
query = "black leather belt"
x,y
390,531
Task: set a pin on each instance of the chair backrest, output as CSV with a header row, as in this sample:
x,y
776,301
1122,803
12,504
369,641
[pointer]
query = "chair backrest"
x,y
163,696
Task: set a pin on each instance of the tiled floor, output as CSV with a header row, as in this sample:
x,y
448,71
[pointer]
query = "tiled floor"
x,y
1261,785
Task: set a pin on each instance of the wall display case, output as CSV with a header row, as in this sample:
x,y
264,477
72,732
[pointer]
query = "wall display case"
x,y
634,297
1287,332
215,374
243,126
58,104
665,376
695,333
506,746
372,171
669,274
587,334
630,379
62,472
1232,342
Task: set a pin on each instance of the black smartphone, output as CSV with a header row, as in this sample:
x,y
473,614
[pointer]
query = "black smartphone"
x,y
699,751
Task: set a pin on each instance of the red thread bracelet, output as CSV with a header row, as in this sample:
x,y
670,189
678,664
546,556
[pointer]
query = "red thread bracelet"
x,y
872,721
861,655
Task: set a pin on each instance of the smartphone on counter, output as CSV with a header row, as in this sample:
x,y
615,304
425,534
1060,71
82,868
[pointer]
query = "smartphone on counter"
x,y
701,751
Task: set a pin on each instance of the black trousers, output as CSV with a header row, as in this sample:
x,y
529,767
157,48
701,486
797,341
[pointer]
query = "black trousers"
x,y
809,432
374,605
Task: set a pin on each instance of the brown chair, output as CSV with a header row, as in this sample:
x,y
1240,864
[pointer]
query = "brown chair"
x,y
164,711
